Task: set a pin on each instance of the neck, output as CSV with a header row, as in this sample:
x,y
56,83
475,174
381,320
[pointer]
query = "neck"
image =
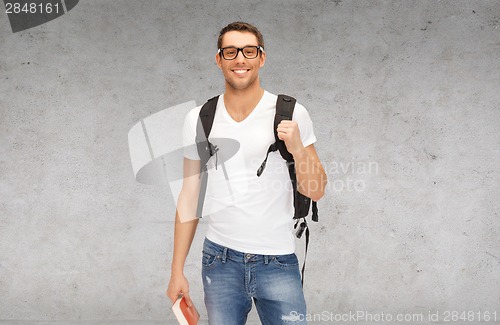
x,y
243,101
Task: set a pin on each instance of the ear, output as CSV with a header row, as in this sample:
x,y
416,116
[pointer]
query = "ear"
x,y
218,60
262,58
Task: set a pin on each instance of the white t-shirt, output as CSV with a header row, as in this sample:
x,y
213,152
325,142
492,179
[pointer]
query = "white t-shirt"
x,y
248,213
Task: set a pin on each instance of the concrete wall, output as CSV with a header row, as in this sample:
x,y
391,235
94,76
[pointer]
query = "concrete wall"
x,y
403,99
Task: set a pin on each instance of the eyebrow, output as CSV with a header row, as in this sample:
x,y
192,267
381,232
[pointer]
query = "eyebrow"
x,y
238,47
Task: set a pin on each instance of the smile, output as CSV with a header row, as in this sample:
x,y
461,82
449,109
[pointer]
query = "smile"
x,y
240,71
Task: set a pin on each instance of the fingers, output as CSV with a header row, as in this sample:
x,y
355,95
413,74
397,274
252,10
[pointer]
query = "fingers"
x,y
185,294
288,123
175,295
178,286
286,126
287,129
172,295
188,299
289,132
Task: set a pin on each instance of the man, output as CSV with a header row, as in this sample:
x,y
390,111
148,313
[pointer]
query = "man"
x,y
249,247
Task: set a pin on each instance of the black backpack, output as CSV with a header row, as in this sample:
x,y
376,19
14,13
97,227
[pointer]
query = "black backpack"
x,y
284,111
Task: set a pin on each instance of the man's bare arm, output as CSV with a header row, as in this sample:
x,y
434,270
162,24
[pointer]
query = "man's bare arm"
x,y
311,177
186,223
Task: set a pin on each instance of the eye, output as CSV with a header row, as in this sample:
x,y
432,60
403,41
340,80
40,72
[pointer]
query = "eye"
x,y
230,51
250,51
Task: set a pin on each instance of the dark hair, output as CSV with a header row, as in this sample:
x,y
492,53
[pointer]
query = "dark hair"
x,y
241,27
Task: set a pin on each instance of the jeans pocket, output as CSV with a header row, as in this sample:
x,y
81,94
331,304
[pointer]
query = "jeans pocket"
x,y
285,261
207,259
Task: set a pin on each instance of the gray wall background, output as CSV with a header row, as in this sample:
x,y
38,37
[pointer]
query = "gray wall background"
x,y
403,91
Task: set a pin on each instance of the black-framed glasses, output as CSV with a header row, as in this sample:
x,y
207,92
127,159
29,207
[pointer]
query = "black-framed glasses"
x,y
231,52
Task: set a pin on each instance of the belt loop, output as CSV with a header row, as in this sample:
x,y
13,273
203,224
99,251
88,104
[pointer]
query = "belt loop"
x,y
224,255
266,259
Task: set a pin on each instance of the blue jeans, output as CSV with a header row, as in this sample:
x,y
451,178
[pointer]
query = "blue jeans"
x,y
232,279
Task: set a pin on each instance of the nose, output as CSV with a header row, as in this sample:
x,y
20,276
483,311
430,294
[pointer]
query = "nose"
x,y
240,57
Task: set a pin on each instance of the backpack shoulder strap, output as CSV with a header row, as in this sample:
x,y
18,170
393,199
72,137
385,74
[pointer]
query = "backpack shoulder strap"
x,y
205,148
206,117
284,111
203,128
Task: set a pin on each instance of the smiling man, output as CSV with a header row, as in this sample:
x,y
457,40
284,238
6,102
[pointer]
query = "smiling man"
x,y
249,249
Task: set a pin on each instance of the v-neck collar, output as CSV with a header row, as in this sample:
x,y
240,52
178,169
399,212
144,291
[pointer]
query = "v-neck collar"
x,y
246,119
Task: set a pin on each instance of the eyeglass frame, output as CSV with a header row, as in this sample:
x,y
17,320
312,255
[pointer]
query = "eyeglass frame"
x,y
238,50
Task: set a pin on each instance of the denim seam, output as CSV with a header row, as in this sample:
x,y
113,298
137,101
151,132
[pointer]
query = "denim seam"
x,y
224,255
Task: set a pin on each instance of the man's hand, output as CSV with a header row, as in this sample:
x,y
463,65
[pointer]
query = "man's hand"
x,y
179,285
288,131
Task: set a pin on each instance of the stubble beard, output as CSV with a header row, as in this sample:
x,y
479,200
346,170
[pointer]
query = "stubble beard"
x,y
247,85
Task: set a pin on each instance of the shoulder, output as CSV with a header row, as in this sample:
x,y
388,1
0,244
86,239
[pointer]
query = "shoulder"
x,y
193,114
268,100
299,111
274,98
300,108
301,115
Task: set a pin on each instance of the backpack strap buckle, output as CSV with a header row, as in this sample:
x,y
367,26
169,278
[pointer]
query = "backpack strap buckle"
x,y
301,228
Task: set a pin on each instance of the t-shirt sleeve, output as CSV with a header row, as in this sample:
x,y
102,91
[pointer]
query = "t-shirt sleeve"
x,y
189,134
304,121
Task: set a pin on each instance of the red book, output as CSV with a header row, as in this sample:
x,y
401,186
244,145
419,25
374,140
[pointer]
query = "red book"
x,y
185,315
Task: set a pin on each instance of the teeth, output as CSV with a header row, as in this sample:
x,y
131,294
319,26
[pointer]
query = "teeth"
x,y
240,71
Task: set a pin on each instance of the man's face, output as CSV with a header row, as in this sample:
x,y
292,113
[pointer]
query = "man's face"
x,y
240,73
